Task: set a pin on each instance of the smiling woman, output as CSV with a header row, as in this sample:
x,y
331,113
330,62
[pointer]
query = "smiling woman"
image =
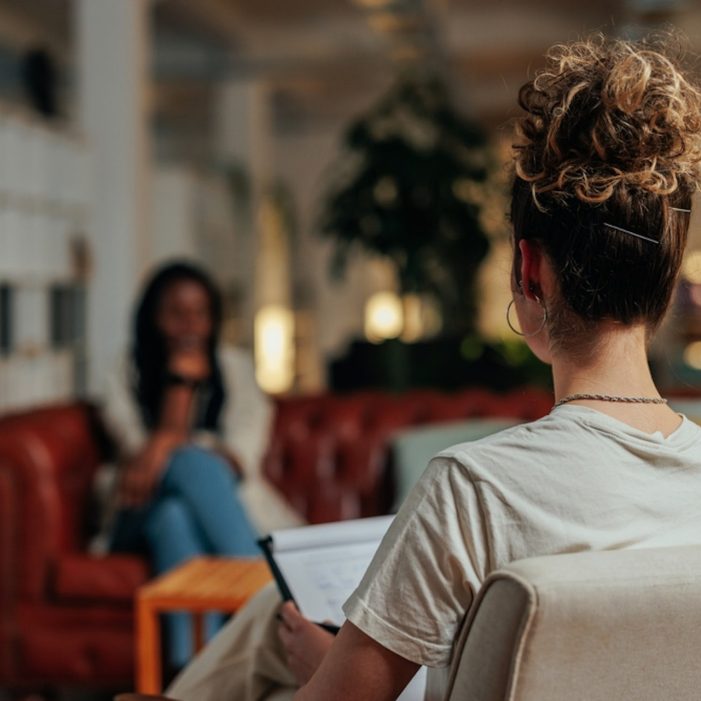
x,y
191,426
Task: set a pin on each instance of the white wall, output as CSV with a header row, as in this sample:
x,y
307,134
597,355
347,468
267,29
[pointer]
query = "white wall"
x,y
193,216
171,229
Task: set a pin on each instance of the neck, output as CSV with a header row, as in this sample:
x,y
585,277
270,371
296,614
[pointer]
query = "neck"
x,y
617,367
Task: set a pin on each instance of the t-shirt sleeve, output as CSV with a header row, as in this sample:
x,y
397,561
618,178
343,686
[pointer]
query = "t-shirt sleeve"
x,y
424,576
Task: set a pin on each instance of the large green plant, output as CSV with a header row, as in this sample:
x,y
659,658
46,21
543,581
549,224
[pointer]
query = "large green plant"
x,y
406,190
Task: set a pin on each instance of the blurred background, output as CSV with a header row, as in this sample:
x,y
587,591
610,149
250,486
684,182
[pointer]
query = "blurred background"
x,y
338,165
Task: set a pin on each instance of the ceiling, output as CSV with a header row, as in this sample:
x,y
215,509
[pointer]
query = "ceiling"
x,y
326,59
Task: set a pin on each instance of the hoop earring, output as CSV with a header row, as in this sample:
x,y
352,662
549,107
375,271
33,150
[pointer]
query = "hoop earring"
x,y
520,333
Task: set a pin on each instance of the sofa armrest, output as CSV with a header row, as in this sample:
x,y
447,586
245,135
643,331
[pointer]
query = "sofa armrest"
x,y
79,578
28,528
48,457
8,538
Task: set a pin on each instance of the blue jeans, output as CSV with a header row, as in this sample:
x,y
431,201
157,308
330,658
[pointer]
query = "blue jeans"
x,y
195,510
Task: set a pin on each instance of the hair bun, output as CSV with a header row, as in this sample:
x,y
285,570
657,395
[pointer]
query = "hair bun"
x,y
606,116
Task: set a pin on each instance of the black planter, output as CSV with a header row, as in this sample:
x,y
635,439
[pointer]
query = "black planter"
x,y
441,363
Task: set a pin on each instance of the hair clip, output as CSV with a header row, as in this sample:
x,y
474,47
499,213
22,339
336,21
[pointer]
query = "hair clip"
x,y
680,209
631,233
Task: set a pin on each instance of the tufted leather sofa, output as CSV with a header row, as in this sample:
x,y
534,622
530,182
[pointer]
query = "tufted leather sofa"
x,y
66,616
330,454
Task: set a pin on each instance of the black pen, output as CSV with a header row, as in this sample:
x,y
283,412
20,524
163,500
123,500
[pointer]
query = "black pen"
x,y
329,627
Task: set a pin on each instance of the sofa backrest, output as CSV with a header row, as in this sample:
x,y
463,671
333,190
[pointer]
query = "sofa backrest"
x,y
623,624
329,454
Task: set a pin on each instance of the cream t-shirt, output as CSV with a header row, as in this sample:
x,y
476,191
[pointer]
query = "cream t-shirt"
x,y
574,480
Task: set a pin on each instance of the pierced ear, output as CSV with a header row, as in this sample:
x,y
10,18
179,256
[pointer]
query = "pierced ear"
x,y
530,269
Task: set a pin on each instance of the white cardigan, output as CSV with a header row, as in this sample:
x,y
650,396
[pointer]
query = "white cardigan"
x,y
245,424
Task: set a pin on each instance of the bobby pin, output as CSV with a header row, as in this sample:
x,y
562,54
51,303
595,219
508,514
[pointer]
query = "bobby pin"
x,y
631,233
681,209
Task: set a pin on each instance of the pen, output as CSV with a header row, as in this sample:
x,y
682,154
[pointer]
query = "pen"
x,y
329,627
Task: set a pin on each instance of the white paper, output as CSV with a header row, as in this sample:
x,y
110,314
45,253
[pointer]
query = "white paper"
x,y
323,564
340,533
415,690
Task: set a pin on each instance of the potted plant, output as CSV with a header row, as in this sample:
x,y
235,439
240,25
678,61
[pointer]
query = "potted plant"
x,y
408,189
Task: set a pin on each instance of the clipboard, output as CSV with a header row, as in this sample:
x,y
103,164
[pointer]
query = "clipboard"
x,y
318,566
266,546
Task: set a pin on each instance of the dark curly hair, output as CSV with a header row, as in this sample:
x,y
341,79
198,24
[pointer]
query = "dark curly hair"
x,y
149,346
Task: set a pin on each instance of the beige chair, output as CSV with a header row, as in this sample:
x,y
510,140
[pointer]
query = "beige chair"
x,y
620,625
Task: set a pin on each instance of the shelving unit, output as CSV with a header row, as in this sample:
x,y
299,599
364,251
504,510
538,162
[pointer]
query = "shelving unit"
x,y
44,200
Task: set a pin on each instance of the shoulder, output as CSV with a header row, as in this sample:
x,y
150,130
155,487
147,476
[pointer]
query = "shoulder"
x,y
524,447
511,438
234,360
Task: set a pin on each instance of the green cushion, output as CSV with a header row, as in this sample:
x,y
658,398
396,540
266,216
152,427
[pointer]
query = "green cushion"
x,y
414,448
690,407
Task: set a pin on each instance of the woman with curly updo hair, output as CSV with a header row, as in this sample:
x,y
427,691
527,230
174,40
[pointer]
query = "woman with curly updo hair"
x,y
607,157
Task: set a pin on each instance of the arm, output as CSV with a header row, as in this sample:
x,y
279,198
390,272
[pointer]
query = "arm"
x,y
140,471
143,454
356,667
414,596
190,367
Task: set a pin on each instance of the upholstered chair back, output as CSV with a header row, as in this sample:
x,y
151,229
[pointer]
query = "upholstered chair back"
x,y
619,625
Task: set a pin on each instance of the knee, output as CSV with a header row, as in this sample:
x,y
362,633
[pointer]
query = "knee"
x,y
187,455
167,517
193,459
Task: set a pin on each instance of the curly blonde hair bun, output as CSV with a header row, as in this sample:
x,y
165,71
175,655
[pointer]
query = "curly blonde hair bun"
x,y
607,116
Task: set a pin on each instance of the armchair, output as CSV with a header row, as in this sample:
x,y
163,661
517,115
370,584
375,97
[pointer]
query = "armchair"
x,y
622,625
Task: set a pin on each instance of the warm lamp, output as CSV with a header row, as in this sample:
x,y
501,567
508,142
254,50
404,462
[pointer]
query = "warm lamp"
x,y
274,348
384,317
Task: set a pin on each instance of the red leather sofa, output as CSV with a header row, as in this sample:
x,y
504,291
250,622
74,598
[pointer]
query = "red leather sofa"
x,y
66,616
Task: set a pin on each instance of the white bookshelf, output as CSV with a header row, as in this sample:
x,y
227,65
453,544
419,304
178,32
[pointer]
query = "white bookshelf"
x,y
44,201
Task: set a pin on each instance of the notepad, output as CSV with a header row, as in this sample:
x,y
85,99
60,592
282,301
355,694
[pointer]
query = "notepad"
x,y
318,567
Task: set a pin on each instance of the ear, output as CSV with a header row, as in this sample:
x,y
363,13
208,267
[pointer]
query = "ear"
x,y
532,260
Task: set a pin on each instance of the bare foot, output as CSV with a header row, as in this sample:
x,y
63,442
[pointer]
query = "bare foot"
x,y
305,643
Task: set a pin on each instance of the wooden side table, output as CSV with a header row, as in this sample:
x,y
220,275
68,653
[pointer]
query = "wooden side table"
x,y
197,586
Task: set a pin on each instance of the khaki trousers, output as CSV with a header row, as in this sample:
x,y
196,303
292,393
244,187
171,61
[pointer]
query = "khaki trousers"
x,y
244,662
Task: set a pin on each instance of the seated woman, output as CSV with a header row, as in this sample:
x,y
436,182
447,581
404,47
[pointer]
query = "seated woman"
x,y
191,426
606,161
